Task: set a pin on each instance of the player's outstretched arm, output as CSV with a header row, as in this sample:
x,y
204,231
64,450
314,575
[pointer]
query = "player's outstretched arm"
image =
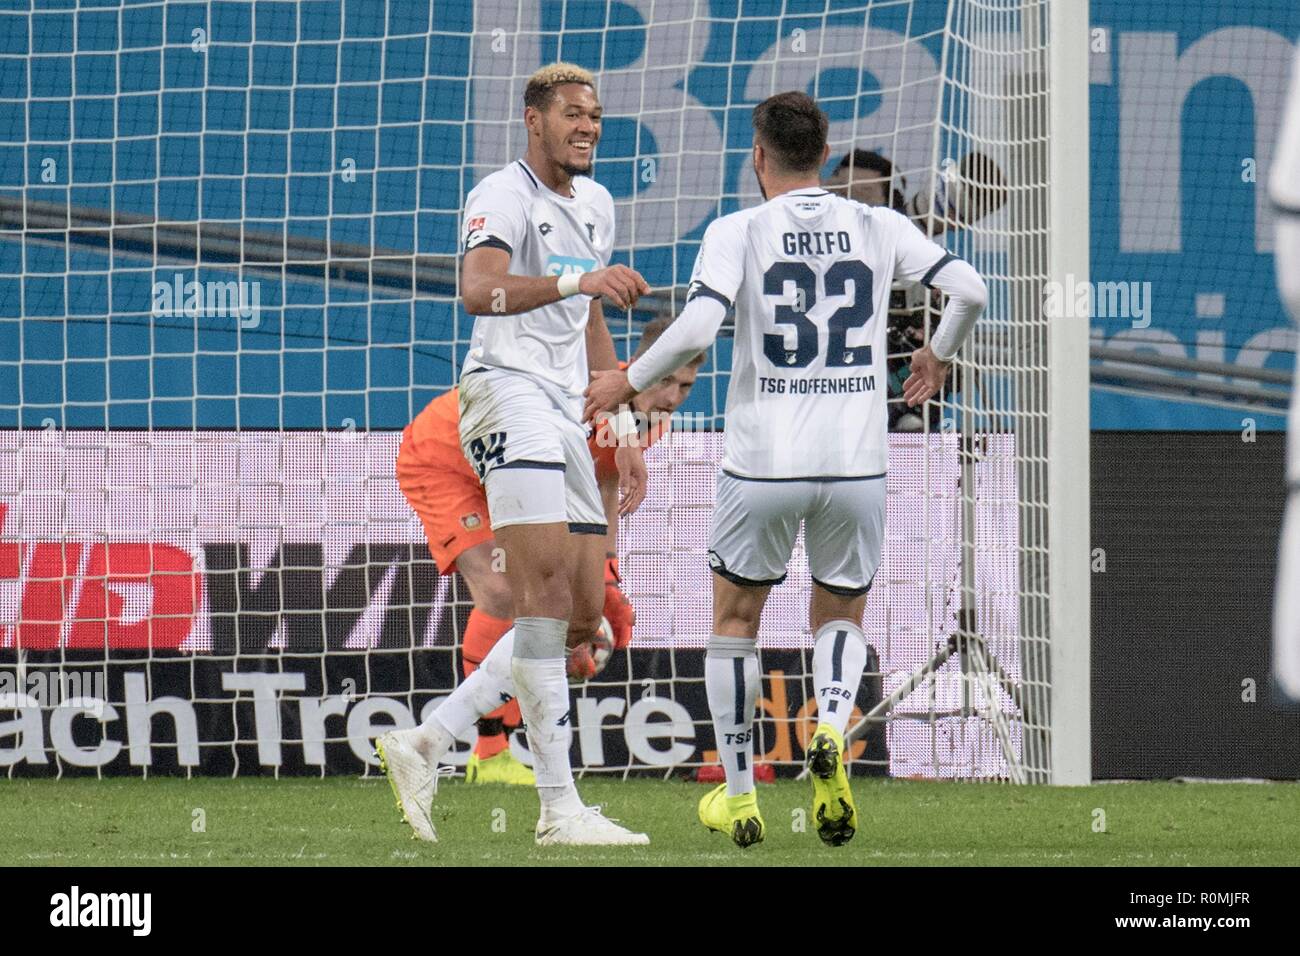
x,y
684,339
628,457
967,297
487,286
601,353
622,285
928,262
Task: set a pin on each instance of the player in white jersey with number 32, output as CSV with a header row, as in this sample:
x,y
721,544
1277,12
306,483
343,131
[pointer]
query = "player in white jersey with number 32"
x,y
538,237
809,274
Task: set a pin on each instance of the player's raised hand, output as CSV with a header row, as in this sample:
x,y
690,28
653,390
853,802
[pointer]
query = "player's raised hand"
x,y
619,284
632,478
928,375
608,389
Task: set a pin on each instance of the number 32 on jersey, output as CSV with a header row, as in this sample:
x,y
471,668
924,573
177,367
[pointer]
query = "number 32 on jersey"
x,y
854,315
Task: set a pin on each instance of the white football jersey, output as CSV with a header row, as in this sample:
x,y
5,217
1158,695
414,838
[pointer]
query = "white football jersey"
x,y
809,275
546,234
1284,178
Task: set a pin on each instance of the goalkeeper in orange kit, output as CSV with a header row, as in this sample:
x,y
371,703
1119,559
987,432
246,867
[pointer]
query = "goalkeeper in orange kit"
x,y
445,492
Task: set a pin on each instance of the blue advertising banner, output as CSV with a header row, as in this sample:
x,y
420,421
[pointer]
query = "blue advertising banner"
x,y
325,122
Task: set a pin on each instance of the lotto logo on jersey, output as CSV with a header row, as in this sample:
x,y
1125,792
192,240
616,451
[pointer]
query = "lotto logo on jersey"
x,y
557,265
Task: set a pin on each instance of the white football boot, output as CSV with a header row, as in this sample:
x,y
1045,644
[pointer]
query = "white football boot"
x,y
413,780
588,828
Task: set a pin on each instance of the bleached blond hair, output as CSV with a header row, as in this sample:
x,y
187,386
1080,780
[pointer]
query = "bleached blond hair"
x,y
542,84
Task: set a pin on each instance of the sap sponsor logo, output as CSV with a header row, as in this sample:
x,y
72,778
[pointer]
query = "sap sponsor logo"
x,y
77,909
557,265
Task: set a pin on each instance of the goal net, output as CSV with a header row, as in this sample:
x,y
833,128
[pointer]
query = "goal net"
x,y
228,279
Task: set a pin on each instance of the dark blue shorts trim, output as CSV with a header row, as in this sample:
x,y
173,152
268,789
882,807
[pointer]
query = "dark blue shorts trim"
x,y
529,463
842,591
732,474
718,567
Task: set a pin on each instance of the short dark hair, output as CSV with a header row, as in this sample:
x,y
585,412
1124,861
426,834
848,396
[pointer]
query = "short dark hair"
x,y
866,159
793,129
650,334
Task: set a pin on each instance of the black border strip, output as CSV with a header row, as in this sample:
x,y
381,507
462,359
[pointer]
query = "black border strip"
x,y
721,571
529,463
842,591
946,258
732,474
698,289
491,242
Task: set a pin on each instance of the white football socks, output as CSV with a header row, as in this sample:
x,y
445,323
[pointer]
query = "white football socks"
x,y
482,692
542,686
732,683
839,655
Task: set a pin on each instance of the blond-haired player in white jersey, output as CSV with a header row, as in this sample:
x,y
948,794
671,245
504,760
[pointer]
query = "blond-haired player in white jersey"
x,y
1284,189
538,237
809,275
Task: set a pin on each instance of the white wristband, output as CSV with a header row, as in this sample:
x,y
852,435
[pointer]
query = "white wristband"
x,y
568,284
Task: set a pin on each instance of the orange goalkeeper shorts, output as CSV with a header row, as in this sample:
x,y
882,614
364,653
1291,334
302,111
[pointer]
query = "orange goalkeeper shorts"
x,y
441,487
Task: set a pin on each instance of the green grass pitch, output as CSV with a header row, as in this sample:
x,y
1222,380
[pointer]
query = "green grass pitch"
x,y
339,821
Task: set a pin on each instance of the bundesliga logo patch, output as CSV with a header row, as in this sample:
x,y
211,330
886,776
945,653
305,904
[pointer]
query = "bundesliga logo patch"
x,y
470,521
475,224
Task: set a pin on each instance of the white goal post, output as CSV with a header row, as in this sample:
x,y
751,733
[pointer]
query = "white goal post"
x,y
1068,485
228,279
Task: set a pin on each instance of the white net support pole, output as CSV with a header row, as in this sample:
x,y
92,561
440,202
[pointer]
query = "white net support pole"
x,y
1068,517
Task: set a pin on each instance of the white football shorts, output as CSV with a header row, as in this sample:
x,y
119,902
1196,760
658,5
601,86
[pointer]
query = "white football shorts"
x,y
526,440
755,524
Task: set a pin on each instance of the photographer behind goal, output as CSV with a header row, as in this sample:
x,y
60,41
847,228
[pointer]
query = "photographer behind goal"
x,y
967,191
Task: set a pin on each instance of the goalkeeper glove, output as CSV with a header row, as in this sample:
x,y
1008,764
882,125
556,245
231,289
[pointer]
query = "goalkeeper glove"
x,y
618,609
579,664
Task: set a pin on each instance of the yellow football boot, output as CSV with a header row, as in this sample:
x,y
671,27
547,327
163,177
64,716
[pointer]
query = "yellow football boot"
x,y
737,815
502,768
832,799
